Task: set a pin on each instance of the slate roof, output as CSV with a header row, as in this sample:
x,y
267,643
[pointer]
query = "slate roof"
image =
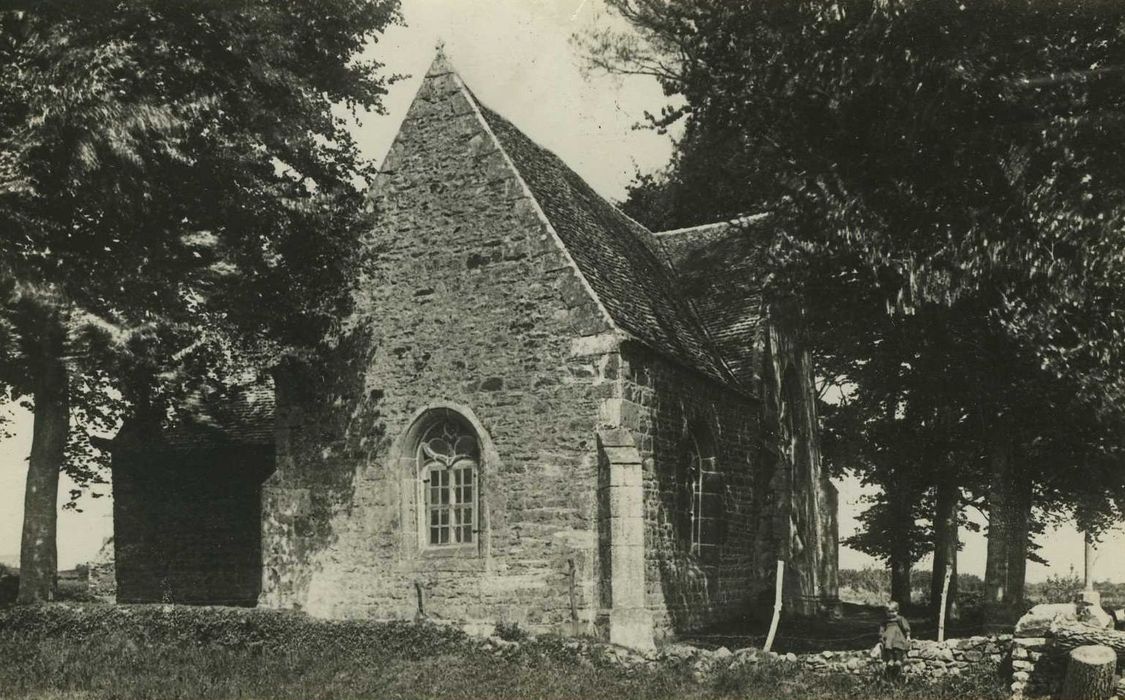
x,y
237,416
718,268
619,258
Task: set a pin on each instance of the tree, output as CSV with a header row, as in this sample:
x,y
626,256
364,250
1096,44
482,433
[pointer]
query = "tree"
x,y
948,165
172,177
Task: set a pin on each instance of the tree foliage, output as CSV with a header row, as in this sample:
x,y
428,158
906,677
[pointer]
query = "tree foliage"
x,y
177,188
942,178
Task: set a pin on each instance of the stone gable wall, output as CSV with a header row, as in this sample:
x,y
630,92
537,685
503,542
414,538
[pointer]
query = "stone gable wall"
x,y
660,402
465,302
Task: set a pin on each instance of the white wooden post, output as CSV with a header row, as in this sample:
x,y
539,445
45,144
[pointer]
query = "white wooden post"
x,y
1089,595
776,606
944,598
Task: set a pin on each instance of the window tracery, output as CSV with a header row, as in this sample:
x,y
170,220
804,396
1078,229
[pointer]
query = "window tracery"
x,y
449,466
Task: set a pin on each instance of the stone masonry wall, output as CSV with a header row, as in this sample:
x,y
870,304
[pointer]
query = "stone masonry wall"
x,y
661,403
466,304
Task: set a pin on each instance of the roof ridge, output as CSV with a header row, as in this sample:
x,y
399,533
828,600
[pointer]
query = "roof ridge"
x,y
744,219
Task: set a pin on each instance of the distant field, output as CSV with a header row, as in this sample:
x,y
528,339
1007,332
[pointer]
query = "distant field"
x,y
149,652
872,586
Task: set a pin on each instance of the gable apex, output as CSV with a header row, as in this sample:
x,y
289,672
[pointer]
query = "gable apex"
x,y
620,264
440,65
442,82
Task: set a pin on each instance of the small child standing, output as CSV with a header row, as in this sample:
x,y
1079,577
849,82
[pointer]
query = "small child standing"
x,y
894,635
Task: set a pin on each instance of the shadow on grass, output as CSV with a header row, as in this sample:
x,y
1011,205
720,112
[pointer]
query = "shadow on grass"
x,y
857,628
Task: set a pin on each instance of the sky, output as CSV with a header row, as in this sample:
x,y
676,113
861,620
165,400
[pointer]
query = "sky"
x,y
518,58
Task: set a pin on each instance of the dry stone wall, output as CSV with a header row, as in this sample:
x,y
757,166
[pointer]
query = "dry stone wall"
x,y
929,659
926,658
1037,670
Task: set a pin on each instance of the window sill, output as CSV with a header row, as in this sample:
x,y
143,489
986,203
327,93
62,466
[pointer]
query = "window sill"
x,y
463,559
461,551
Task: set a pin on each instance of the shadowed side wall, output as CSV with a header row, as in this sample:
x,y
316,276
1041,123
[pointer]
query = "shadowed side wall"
x,y
187,524
467,305
663,403
721,269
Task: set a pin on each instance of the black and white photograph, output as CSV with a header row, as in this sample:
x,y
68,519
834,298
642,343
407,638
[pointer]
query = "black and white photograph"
x,y
552,349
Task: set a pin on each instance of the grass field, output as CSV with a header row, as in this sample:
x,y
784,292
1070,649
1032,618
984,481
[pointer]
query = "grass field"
x,y
134,653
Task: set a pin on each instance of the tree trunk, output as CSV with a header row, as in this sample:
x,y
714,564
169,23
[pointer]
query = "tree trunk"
x,y
946,541
38,549
999,558
1089,674
1074,635
1088,561
1019,529
900,577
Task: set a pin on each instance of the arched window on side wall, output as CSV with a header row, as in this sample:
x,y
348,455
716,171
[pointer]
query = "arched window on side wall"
x,y
699,507
449,469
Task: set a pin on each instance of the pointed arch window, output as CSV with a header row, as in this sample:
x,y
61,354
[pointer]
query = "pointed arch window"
x,y
692,493
449,467
699,497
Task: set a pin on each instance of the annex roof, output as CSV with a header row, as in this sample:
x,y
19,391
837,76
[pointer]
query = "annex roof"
x,y
718,268
240,415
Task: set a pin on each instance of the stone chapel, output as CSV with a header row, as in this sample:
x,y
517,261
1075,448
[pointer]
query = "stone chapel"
x,y
548,415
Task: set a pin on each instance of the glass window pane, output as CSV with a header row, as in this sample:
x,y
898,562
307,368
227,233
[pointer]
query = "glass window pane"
x,y
448,455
